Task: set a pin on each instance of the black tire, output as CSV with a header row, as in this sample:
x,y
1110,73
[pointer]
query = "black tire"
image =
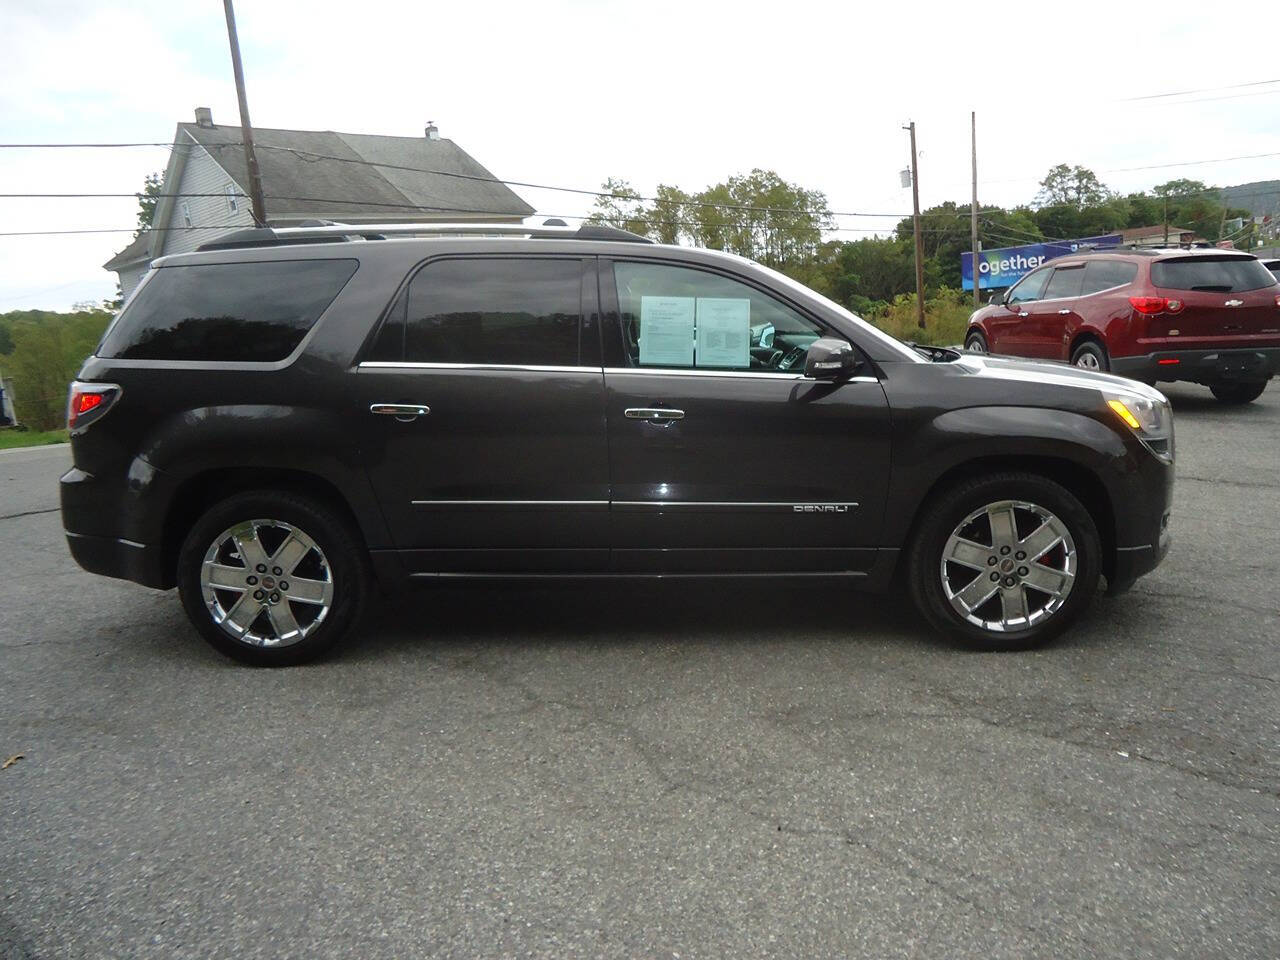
x,y
948,510
1237,393
1089,351
975,342
338,545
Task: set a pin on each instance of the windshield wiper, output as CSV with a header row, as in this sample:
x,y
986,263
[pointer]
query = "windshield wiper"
x,y
1213,288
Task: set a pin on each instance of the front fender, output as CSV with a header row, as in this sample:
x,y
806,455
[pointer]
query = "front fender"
x,y
953,438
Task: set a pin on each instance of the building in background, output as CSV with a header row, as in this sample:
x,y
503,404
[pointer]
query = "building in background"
x,y
310,175
1160,236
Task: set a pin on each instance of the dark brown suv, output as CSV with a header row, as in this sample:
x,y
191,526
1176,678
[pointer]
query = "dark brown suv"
x,y
1208,316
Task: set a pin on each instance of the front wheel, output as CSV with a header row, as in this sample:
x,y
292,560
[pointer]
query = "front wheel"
x,y
1005,562
976,343
272,578
1237,393
1091,356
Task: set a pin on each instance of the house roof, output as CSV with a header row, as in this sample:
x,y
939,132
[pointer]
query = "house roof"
x,y
139,249
350,176
1135,233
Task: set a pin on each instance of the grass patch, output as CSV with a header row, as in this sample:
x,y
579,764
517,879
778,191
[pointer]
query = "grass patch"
x,y
946,318
11,437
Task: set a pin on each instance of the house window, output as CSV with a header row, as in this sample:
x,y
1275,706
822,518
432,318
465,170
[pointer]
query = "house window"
x,y
186,213
233,200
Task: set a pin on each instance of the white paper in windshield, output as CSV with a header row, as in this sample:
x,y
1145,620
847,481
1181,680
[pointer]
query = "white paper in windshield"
x,y
666,331
724,332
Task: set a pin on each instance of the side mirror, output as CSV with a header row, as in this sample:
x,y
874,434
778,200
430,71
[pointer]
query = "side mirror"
x,y
830,359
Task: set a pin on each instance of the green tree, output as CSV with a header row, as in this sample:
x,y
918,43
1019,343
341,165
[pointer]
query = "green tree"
x,y
619,205
1076,186
667,214
147,201
48,349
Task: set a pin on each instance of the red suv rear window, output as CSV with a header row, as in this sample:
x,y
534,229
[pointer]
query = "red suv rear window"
x,y
1213,274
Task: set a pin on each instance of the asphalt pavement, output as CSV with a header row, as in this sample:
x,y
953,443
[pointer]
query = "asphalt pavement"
x,y
655,770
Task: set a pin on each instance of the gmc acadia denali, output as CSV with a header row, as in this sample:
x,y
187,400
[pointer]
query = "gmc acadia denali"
x,y
286,420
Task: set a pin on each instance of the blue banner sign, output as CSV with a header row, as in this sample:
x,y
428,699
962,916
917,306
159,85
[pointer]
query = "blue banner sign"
x,y
1005,266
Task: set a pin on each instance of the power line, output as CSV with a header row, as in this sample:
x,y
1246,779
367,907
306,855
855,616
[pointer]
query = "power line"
x,y
1183,93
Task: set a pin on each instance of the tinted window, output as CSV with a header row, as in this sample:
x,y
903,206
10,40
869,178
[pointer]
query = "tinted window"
x,y
1030,287
1105,274
226,311
678,317
1065,283
1217,274
1274,266
494,311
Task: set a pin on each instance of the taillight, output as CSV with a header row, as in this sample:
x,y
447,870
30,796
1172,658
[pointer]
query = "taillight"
x,y
88,402
1150,306
1278,299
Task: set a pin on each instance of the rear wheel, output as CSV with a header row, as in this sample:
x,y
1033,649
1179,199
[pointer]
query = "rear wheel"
x,y
272,578
1091,356
976,343
1235,393
1005,562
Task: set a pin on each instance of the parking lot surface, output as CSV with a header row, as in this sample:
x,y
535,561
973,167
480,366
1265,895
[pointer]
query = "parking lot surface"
x,y
656,770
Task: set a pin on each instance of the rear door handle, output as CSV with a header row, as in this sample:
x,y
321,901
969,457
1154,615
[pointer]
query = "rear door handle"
x,y
1023,313
1063,312
401,411
653,413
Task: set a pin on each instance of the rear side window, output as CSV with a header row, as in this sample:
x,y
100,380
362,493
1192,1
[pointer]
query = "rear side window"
x,y
226,311
1065,283
1212,274
1105,274
491,311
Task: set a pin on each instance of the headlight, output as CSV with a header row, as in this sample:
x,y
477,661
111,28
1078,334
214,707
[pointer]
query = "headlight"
x,y
1150,419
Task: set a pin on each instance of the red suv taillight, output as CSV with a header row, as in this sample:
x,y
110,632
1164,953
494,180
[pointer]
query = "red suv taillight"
x,y
88,402
1150,306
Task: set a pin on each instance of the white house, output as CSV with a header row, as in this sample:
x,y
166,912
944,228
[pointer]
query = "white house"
x,y
309,175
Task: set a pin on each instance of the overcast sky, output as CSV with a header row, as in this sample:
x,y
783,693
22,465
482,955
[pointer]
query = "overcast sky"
x,y
569,93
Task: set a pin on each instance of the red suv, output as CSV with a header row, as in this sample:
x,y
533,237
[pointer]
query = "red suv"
x,y
1208,316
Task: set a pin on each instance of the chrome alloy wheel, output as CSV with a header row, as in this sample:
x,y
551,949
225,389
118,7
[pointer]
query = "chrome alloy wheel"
x,y
976,346
266,583
1089,360
1008,566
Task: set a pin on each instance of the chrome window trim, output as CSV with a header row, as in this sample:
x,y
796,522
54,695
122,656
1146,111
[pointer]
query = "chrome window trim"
x,y
426,365
742,374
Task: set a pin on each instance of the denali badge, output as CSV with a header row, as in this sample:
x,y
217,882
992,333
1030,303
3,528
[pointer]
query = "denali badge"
x,y
822,507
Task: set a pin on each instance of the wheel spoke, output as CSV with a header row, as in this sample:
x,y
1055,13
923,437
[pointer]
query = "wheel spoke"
x,y
1013,604
1048,580
290,553
977,593
311,591
245,537
225,577
242,614
1004,530
967,553
1041,540
283,621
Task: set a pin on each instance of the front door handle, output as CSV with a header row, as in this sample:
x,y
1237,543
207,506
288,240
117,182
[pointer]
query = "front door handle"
x,y
1063,312
653,413
1023,313
404,412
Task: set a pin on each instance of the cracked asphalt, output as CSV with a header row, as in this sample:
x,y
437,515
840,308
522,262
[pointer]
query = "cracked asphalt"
x,y
656,770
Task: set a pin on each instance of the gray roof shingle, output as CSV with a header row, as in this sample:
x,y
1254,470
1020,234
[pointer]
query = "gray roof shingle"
x,y
338,174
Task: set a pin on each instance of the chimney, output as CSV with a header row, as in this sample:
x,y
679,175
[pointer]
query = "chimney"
x,y
432,132
204,117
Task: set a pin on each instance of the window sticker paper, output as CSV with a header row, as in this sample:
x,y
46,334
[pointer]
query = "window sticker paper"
x,y
724,332
666,331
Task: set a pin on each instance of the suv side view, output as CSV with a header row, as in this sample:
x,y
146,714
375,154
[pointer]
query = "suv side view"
x,y
1207,316
286,420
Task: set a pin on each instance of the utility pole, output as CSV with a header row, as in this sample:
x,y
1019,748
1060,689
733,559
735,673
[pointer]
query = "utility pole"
x,y
250,158
915,227
1166,220
973,217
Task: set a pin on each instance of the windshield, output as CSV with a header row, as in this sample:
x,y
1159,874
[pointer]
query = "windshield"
x,y
900,349
1212,274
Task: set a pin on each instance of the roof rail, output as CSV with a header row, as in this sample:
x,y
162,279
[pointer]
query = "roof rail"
x,y
327,232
